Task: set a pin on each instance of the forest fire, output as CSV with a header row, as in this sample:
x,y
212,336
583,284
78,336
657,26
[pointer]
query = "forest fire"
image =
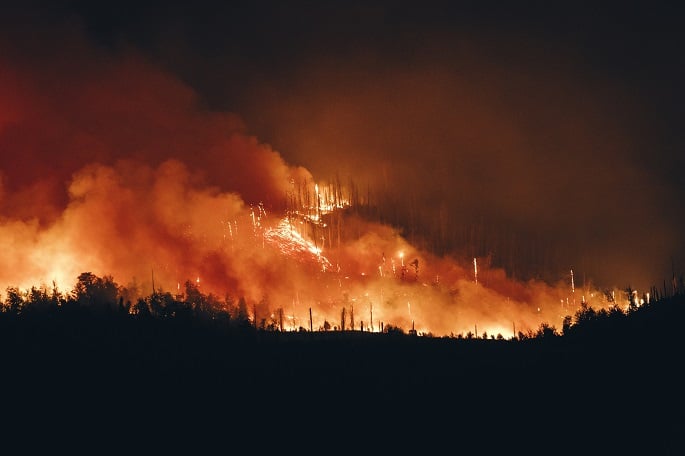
x,y
419,226
282,261
157,192
278,264
290,242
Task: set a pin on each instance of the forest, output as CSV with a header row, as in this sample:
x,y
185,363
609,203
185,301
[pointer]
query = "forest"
x,y
169,371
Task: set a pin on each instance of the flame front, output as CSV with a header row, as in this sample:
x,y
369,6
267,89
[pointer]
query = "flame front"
x,y
290,242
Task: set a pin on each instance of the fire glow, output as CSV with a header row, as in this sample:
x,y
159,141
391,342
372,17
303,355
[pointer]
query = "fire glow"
x,y
272,260
291,243
195,198
277,258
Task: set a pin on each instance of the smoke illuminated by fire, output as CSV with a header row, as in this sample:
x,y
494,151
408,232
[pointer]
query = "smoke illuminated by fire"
x,y
118,171
133,224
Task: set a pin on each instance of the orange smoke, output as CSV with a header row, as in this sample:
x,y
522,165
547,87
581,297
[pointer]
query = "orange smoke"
x,y
111,166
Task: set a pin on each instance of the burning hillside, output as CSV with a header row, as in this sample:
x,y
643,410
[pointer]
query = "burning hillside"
x,y
117,170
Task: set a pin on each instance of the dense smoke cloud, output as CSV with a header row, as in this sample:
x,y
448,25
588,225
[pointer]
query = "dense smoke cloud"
x,y
111,165
546,164
75,107
102,156
546,136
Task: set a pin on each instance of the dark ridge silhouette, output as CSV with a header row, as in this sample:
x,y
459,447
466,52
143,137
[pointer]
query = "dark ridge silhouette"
x,y
90,367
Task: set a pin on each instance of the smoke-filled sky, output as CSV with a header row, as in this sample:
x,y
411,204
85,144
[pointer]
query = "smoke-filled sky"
x,y
556,127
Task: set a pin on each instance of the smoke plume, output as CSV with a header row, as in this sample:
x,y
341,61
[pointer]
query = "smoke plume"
x,y
112,165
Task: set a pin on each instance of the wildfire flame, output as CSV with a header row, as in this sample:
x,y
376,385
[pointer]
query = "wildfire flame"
x,y
290,242
227,209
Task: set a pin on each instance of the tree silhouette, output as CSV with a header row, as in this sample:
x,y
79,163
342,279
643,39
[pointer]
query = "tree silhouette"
x,y
546,331
392,329
566,324
141,308
14,300
38,300
95,292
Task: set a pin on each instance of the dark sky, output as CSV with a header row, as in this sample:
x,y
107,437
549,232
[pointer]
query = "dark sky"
x,y
559,121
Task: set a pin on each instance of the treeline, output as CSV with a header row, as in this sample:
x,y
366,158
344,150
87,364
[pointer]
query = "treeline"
x,y
102,296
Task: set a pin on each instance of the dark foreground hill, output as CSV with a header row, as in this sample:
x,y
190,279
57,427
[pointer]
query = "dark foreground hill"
x,y
104,382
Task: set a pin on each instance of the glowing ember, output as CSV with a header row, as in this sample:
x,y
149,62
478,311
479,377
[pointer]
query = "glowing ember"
x,y
291,243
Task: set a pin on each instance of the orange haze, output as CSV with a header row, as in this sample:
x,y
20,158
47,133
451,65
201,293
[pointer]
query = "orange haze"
x,y
112,166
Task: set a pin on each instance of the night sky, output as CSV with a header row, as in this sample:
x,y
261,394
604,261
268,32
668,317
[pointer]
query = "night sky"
x,y
555,124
